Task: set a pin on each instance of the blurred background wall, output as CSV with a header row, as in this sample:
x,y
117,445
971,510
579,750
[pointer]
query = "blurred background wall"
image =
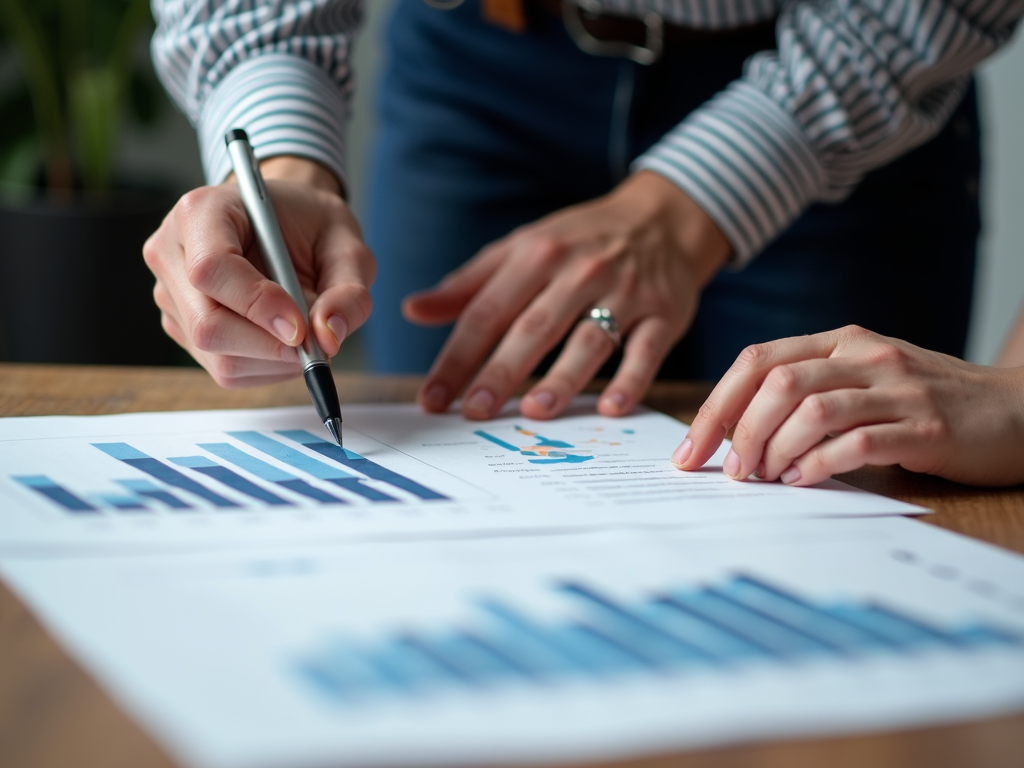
x,y
169,150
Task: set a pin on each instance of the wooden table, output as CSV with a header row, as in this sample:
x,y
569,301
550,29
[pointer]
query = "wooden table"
x,y
52,714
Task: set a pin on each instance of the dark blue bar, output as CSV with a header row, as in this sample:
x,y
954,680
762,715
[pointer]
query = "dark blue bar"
x,y
811,638
355,485
360,464
159,470
407,663
231,479
741,622
478,658
628,628
151,491
125,503
716,642
801,615
537,646
305,489
43,485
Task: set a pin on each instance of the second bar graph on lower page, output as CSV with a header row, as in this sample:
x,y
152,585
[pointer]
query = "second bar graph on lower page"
x,y
541,648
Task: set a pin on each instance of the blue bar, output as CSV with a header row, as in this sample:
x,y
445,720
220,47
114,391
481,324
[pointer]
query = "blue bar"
x,y
983,634
599,651
801,615
269,472
749,626
125,503
159,470
62,496
716,642
630,630
479,659
815,640
290,456
896,628
150,490
536,646
361,464
231,479
343,672
406,662
497,441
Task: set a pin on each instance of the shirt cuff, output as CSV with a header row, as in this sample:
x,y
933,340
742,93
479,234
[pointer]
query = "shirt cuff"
x,y
287,105
746,162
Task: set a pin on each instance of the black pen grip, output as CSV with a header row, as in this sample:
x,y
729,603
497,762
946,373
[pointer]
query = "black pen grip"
x,y
322,390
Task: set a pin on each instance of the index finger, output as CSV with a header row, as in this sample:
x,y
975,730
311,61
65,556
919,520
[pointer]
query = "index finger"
x,y
730,398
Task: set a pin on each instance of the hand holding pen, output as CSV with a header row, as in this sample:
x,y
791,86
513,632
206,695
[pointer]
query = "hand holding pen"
x,y
219,306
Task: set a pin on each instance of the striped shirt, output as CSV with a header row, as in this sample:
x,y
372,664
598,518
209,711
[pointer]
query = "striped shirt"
x,y
853,85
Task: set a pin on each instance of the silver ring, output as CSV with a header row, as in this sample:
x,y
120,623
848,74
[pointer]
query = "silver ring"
x,y
603,318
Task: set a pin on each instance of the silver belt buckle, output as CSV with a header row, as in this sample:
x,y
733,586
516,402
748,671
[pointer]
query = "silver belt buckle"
x,y
650,52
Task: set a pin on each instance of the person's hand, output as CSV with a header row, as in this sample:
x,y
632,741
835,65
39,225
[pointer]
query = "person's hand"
x,y
644,251
809,407
215,298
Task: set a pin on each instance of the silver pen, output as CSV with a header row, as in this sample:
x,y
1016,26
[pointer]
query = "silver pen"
x,y
315,366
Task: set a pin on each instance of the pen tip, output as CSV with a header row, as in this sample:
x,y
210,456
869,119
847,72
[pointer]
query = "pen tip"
x,y
334,427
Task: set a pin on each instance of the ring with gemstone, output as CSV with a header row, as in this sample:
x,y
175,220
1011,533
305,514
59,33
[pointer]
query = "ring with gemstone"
x,y
603,318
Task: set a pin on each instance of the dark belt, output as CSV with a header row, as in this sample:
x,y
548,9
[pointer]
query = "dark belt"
x,y
643,39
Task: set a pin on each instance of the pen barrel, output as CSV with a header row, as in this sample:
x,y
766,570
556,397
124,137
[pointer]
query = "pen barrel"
x,y
276,258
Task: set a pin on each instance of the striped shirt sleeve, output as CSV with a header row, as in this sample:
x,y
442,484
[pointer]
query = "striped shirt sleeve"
x,y
854,84
277,68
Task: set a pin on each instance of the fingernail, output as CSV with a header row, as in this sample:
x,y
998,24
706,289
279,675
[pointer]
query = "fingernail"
x,y
285,329
731,466
290,354
338,327
616,401
759,472
544,399
481,401
790,476
682,452
436,396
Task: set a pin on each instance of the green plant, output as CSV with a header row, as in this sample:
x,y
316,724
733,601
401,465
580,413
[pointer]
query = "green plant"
x,y
75,70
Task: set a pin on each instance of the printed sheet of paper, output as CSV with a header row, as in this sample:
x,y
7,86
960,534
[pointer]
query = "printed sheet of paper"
x,y
236,477
542,647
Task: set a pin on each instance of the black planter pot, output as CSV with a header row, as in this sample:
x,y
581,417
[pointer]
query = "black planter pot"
x,y
73,285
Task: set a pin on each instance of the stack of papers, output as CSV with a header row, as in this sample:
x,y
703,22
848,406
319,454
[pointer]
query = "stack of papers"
x,y
445,592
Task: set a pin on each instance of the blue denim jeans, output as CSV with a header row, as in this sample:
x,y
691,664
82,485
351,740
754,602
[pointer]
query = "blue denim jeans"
x,y
482,130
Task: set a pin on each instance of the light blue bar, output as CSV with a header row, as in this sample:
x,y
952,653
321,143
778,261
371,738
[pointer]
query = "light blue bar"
x,y
55,493
748,626
241,459
598,651
193,462
628,629
290,456
713,640
121,451
537,646
896,630
478,658
153,491
406,664
344,672
798,615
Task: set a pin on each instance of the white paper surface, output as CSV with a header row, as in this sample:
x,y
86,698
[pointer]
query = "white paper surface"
x,y
357,654
67,482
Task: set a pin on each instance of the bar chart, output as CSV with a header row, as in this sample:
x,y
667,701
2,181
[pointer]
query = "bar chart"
x,y
241,472
742,620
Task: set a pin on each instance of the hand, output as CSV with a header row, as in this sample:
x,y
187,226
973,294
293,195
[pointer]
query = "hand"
x,y
644,251
809,407
211,288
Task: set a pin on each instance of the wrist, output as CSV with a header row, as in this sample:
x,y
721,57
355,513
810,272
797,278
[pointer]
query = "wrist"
x,y
301,171
692,232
